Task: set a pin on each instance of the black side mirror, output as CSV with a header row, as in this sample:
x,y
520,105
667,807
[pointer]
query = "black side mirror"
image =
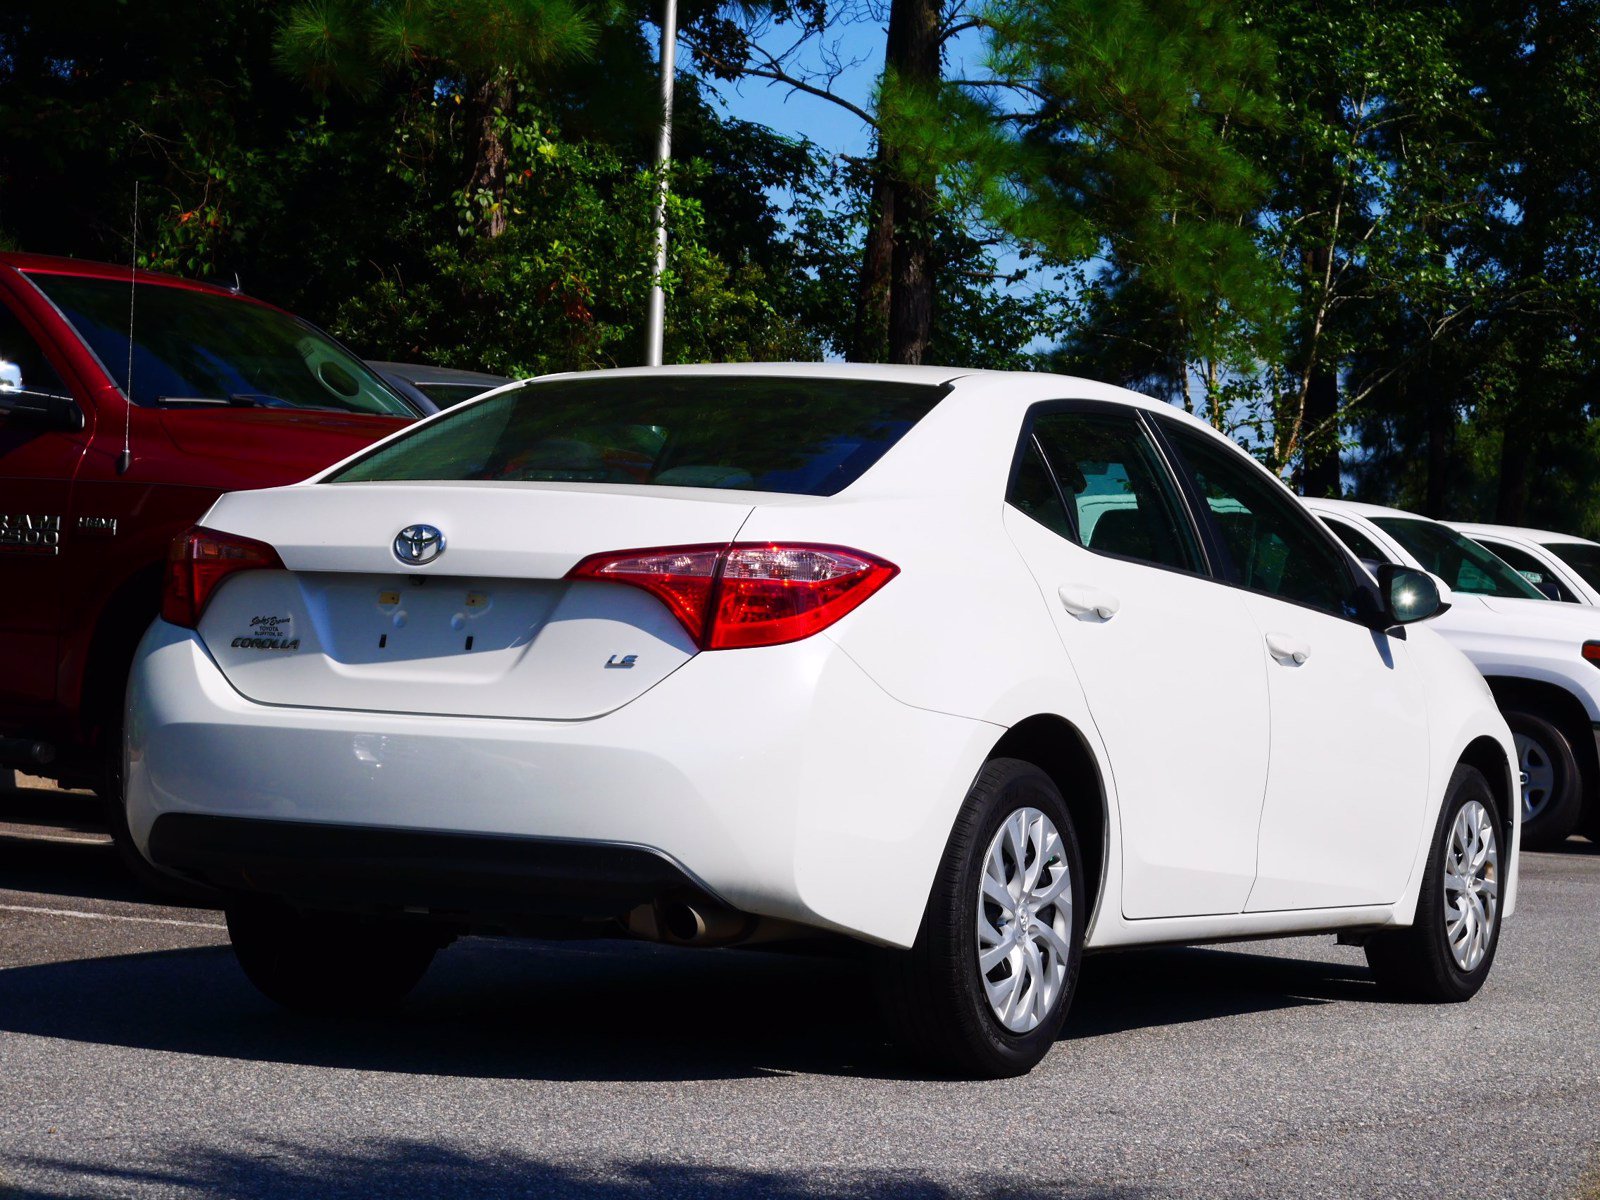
x,y
1408,595
41,410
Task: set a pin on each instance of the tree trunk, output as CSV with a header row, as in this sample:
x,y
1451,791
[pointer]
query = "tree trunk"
x,y
490,101
1319,445
870,329
913,57
1516,462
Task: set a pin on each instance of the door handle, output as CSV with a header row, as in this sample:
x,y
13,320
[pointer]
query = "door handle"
x,y
1088,603
1287,649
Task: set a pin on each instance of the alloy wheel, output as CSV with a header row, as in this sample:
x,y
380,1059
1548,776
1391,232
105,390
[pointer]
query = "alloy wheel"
x,y
1024,920
1471,885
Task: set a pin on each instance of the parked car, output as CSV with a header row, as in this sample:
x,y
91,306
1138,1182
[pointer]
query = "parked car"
x,y
720,655
1562,566
99,471
1540,657
433,388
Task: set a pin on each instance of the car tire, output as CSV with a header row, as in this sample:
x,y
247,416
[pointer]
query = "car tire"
x,y
328,963
937,997
1440,958
1552,797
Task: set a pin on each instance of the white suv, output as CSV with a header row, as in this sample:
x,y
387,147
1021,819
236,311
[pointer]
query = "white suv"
x,y
1562,566
980,669
1541,658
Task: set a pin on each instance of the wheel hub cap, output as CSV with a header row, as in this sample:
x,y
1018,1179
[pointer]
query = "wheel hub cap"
x,y
1538,775
1471,885
1024,920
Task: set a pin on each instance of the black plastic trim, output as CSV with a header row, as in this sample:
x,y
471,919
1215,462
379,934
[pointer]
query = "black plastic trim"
x,y
372,867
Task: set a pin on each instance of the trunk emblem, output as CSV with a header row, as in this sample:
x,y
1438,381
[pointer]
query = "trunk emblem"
x,y
625,663
416,545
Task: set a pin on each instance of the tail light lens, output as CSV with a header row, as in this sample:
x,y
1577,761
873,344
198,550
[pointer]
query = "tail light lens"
x,y
747,594
1591,652
201,559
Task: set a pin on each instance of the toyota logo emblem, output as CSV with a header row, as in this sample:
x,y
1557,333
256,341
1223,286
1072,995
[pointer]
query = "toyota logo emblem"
x,y
417,545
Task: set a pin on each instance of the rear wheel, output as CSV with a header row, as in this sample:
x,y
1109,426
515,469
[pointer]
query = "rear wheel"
x,y
1446,953
328,963
1552,789
986,986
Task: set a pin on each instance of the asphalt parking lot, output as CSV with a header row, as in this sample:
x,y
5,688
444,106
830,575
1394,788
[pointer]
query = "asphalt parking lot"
x,y
136,1061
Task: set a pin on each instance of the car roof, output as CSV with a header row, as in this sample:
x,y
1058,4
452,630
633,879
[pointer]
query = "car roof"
x,y
1357,508
83,268
428,373
1538,536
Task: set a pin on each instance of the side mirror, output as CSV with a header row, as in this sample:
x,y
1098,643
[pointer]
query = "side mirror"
x,y
41,410
1409,595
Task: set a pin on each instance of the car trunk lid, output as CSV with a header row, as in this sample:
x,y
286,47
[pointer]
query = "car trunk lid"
x,y
488,628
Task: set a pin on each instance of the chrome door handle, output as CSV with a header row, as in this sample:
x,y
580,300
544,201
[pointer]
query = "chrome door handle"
x,y
1088,603
1287,649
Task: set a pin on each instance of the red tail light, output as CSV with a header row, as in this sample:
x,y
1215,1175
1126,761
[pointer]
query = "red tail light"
x,y
201,559
747,593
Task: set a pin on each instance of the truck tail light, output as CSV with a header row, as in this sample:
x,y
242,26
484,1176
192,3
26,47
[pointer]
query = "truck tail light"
x,y
198,561
1591,652
747,593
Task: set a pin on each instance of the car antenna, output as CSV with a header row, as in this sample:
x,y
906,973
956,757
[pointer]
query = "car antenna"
x,y
125,459
237,286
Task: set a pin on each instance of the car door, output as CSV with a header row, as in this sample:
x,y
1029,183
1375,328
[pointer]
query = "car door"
x,y
37,463
1349,762
1169,659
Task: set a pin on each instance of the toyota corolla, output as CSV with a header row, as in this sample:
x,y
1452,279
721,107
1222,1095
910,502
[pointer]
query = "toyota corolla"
x,y
976,670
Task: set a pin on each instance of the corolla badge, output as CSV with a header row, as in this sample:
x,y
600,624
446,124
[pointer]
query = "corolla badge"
x,y
416,545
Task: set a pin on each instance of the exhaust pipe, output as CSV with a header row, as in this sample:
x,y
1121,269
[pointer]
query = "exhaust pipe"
x,y
690,923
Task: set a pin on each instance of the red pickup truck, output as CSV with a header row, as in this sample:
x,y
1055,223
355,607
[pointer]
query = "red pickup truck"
x,y
128,403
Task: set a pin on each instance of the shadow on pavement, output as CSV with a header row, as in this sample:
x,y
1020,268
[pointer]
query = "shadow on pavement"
x,y
397,1169
581,1010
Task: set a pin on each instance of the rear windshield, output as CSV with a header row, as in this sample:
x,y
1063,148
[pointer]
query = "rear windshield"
x,y
1457,559
1582,557
812,437
201,349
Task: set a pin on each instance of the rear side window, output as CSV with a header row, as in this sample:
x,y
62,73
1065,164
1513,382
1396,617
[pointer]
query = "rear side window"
x,y
811,437
1119,495
1276,546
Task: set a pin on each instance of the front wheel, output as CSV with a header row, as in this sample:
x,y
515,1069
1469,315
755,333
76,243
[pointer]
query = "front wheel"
x,y
328,963
1446,953
986,987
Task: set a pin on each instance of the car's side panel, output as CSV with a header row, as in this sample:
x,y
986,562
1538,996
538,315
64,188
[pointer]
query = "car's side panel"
x,y
1350,761
1176,687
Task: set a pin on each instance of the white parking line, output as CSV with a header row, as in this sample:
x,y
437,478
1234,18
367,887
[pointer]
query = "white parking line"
x,y
92,916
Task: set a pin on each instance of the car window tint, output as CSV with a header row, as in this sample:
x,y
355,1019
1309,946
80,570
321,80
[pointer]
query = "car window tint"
x,y
1034,493
1123,500
1582,557
1531,569
777,433
1359,543
23,366
194,346
1456,558
1274,543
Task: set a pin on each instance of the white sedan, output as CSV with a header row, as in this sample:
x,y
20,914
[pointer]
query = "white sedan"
x,y
983,670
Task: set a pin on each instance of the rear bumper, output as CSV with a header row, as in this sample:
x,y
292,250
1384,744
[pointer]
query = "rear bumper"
x,y
493,879
781,781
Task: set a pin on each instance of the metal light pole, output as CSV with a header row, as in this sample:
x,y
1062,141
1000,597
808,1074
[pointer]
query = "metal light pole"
x,y
657,320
